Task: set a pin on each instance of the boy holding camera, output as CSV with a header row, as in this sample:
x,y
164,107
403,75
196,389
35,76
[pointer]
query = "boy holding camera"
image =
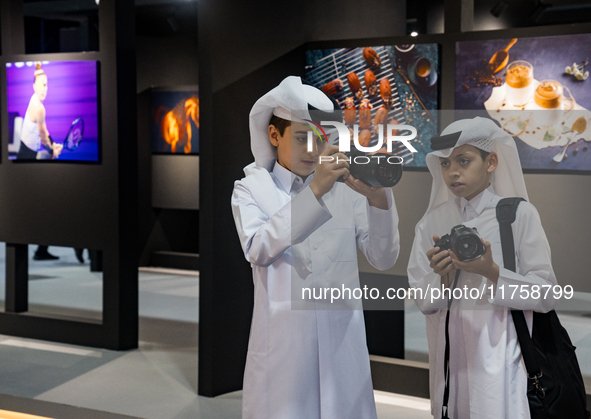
x,y
474,164
300,228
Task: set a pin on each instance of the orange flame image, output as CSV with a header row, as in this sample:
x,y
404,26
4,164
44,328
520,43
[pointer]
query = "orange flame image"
x,y
175,125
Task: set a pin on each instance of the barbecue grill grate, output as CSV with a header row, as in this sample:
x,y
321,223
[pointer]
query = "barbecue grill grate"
x,y
342,62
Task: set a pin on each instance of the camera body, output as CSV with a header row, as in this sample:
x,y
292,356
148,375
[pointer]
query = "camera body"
x,y
464,241
379,169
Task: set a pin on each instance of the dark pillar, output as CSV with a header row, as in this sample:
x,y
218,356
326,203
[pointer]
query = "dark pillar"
x,y
17,278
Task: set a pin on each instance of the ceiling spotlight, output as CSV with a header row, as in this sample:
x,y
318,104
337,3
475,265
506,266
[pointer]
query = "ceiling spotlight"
x,y
414,33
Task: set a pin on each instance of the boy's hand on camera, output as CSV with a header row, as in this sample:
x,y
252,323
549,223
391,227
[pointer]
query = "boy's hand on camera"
x,y
484,265
328,171
440,261
375,196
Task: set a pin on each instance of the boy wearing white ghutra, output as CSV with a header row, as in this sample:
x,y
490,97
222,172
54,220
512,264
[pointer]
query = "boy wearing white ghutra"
x,y
474,165
300,228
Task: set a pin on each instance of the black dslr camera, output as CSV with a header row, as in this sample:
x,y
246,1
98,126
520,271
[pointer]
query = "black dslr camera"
x,y
464,241
379,170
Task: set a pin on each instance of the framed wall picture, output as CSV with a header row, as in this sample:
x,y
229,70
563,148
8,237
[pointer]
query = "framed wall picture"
x,y
53,110
400,84
175,120
537,90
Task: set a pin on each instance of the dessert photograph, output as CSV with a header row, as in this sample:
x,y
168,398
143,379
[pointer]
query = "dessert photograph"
x,y
380,85
537,90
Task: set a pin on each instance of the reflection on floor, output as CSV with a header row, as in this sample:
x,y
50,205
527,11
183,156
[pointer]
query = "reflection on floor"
x,y
158,380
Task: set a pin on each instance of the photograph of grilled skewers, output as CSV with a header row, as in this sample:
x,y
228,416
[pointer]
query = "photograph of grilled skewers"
x,y
537,90
381,85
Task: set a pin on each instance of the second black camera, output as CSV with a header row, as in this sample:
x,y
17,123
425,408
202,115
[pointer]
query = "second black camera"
x,y
464,241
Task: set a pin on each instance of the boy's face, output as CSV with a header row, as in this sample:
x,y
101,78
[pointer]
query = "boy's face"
x,y
465,173
292,149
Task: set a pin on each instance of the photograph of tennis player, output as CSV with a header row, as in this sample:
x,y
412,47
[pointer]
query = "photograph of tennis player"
x,y
49,118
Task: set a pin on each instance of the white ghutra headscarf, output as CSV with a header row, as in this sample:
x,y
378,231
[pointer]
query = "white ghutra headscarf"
x,y
291,100
507,180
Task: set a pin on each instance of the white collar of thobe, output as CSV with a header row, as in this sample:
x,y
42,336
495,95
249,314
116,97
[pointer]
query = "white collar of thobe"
x,y
286,178
480,201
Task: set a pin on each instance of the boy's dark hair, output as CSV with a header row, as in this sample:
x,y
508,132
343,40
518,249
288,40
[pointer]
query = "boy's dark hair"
x,y
280,123
483,154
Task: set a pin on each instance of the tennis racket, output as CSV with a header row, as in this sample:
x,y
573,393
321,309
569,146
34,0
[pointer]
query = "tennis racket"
x,y
74,136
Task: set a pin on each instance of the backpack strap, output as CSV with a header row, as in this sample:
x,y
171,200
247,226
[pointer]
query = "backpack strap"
x,y
506,214
444,406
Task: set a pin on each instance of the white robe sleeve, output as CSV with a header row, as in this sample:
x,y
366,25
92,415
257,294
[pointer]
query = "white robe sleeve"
x,y
534,266
263,238
421,277
376,232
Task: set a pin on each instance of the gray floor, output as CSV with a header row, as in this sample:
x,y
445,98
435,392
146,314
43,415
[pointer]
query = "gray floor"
x,y
158,380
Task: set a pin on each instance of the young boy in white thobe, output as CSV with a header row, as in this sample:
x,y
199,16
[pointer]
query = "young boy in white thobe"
x,y
300,228
474,164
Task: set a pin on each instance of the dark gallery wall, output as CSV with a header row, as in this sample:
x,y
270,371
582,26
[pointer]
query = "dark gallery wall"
x,y
165,223
75,204
166,61
245,49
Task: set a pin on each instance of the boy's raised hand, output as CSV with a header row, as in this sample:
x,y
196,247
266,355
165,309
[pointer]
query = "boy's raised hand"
x,y
376,196
484,265
329,170
440,261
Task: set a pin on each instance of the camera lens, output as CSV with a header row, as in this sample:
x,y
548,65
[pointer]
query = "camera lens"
x,y
466,243
388,174
467,246
379,170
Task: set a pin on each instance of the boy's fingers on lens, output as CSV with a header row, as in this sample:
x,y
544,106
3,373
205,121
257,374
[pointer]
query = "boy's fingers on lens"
x,y
436,239
342,171
341,159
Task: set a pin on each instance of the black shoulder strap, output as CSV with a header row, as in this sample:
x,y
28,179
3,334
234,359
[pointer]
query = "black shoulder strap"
x,y
506,213
444,406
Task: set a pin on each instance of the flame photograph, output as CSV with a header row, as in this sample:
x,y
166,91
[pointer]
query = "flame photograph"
x,y
175,121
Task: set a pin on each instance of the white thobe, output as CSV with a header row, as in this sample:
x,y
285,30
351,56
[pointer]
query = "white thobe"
x,y
487,375
310,363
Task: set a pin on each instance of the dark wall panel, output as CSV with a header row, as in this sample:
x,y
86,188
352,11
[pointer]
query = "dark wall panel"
x,y
81,205
247,35
227,309
163,61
